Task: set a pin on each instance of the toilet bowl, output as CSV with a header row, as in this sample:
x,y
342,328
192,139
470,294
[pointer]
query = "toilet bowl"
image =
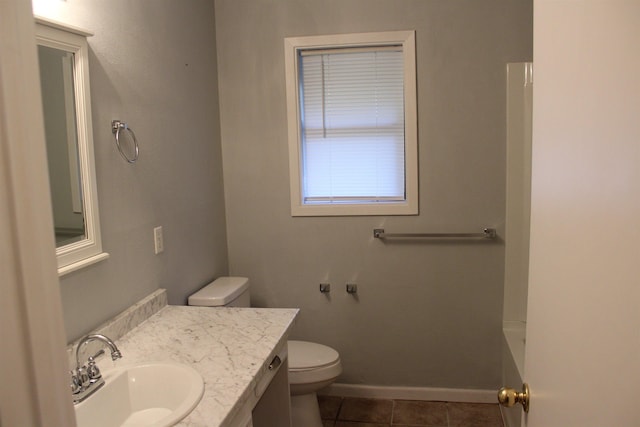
x,y
312,366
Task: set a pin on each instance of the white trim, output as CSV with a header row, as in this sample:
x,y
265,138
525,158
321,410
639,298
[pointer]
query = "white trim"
x,y
411,393
82,264
62,26
292,45
70,39
334,51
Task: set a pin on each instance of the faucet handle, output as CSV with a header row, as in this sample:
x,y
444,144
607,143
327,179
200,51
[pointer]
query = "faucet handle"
x,y
98,353
92,369
75,383
83,377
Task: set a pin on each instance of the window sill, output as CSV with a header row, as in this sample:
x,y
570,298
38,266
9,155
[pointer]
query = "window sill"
x,y
355,209
81,264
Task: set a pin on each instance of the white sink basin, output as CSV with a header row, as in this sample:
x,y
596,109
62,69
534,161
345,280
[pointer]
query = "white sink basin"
x,y
154,394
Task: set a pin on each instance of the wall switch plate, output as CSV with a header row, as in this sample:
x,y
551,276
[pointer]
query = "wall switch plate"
x,y
158,240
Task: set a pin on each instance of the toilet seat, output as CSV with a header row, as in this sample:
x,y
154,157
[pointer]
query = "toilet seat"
x,y
311,362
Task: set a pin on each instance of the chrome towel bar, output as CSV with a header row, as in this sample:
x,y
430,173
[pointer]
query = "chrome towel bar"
x,y
487,233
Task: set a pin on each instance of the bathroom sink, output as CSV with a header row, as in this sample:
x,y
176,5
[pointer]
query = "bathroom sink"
x,y
153,394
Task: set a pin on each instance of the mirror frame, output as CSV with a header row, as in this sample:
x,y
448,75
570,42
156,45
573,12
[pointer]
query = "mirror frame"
x,y
87,251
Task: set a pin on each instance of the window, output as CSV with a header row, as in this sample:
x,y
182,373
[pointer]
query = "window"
x,y
352,124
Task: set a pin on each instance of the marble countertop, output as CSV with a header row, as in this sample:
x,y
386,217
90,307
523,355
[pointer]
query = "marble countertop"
x,y
229,347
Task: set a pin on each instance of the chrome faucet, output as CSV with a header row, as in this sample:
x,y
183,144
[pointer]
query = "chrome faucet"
x,y
115,353
86,379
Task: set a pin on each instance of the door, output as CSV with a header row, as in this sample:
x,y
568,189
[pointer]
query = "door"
x,y
34,381
583,328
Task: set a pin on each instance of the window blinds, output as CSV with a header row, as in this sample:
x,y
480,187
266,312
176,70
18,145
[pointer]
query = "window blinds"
x,y
352,118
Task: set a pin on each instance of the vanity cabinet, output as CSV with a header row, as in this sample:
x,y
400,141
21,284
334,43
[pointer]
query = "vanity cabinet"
x,y
270,404
241,354
274,407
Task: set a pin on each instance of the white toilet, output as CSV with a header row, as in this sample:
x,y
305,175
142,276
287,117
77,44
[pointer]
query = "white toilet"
x,y
311,366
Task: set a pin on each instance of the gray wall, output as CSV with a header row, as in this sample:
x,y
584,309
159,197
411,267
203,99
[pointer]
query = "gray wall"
x,y
153,65
427,313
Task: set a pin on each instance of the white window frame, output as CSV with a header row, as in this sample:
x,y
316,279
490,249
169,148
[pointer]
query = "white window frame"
x,y
293,45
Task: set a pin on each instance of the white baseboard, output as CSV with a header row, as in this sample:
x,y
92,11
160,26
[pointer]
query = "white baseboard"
x,y
411,393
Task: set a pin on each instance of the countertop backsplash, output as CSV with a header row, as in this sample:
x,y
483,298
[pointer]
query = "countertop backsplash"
x,y
122,324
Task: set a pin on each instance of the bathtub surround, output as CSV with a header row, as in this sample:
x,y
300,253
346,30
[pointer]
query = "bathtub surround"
x,y
429,313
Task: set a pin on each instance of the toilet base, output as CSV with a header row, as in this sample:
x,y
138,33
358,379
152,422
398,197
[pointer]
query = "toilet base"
x,y
305,411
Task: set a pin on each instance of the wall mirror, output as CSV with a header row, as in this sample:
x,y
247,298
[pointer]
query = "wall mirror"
x,y
64,77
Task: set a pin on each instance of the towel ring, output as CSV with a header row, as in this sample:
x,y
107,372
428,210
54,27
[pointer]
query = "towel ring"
x,y
116,127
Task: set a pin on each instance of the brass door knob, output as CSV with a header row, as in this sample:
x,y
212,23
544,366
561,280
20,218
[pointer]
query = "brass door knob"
x,y
509,397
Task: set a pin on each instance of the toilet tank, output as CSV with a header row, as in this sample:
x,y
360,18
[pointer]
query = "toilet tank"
x,y
223,292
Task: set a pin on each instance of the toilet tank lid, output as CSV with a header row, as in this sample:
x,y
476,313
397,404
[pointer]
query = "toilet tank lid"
x,y
220,292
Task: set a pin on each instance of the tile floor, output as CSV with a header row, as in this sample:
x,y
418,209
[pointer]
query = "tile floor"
x,y
361,412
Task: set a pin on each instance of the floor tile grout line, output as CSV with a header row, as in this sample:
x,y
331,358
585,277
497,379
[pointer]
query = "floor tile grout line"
x,y
393,409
